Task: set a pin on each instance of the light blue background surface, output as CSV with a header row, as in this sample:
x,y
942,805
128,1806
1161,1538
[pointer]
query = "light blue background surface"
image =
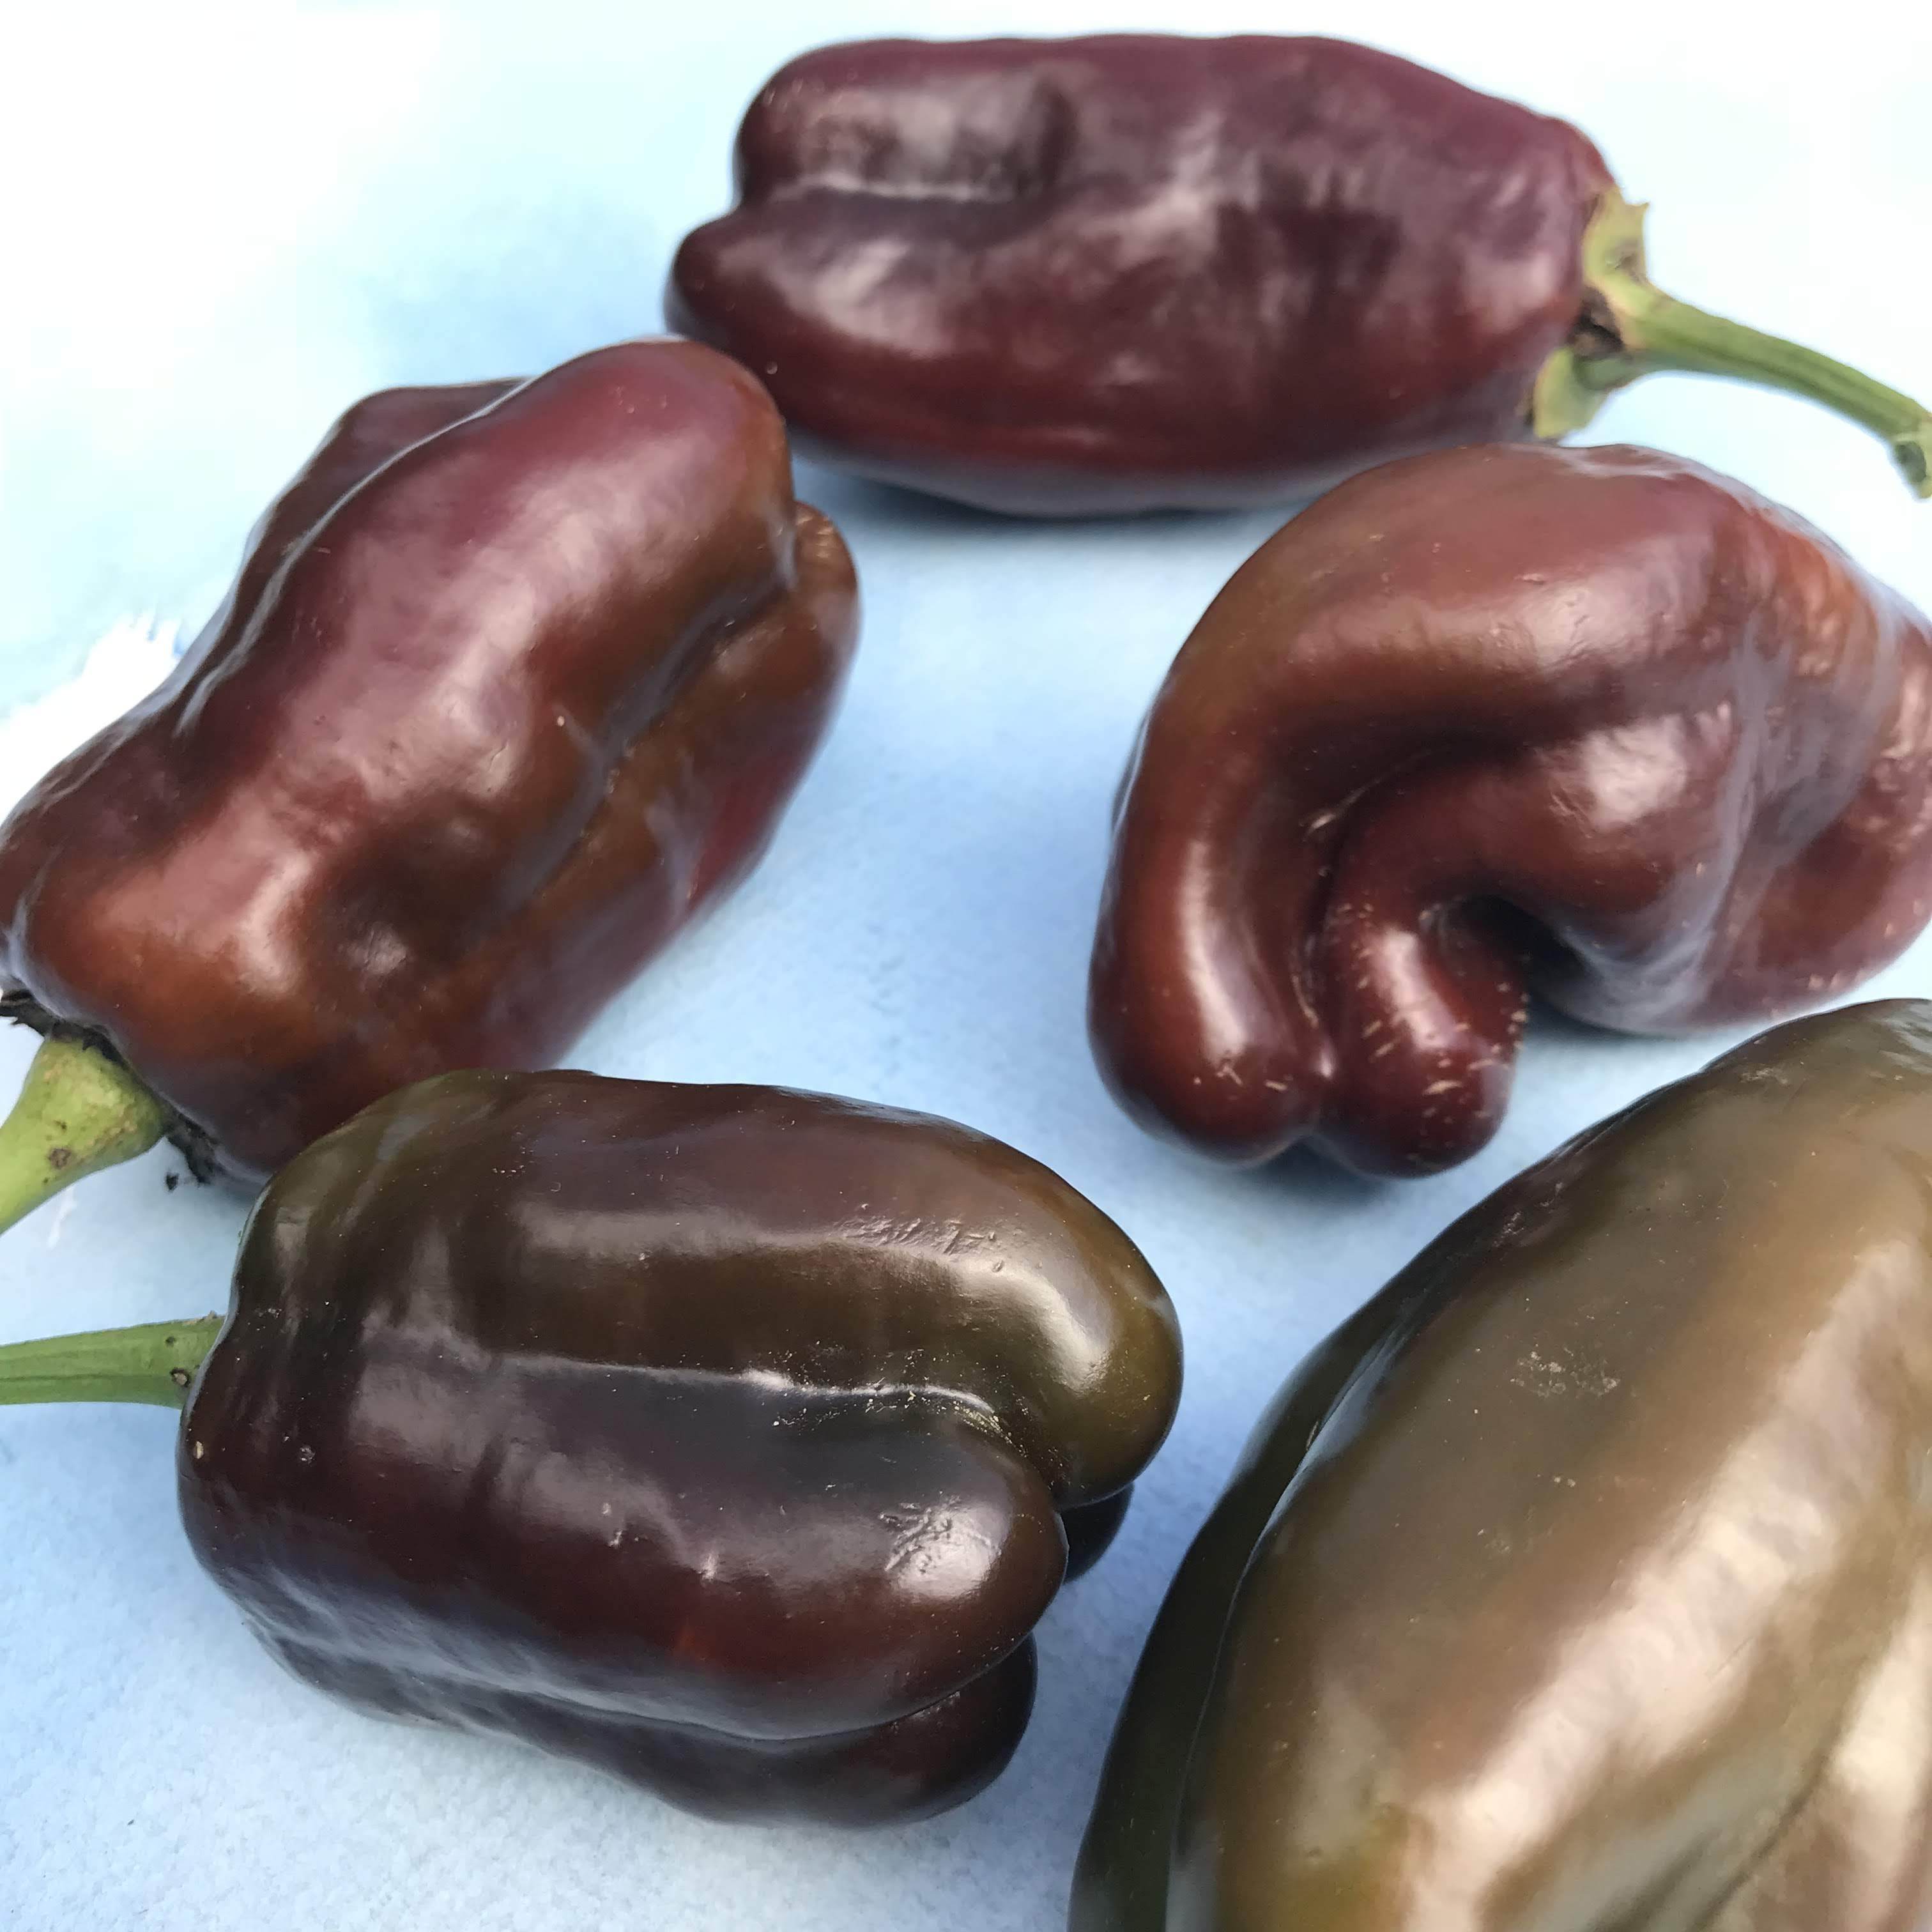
x,y
225,223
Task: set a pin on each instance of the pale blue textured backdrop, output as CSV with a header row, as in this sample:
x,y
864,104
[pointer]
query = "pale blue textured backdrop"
x,y
225,223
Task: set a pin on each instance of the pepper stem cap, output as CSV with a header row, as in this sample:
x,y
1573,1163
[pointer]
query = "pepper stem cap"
x,y
79,1111
153,1363
1631,328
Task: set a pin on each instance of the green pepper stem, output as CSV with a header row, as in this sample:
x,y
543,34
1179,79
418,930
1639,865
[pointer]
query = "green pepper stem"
x,y
153,1363
1631,328
79,1112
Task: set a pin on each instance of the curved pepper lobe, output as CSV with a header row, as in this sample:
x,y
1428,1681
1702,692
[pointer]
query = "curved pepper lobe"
x,y
1589,1584
515,679
931,1761
1136,271
718,1435
1594,724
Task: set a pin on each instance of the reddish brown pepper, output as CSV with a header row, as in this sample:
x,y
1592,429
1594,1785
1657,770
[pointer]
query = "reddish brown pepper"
x,y
1133,271
513,681
1596,723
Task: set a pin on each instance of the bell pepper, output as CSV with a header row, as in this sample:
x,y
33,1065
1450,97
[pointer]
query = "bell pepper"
x,y
728,1438
1137,270
1584,1579
515,679
1596,724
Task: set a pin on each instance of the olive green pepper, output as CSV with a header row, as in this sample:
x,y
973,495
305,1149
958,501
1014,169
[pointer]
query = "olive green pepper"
x,y
1582,1581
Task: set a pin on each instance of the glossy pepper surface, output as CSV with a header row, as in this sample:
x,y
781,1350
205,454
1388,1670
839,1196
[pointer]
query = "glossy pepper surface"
x,y
1597,724
1583,1582
722,1437
514,679
1133,271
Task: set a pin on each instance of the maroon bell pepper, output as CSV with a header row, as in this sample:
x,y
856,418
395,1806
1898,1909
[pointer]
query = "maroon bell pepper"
x,y
516,679
1066,277
1594,724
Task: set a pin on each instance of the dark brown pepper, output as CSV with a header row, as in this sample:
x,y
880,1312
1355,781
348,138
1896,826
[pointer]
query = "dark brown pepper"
x,y
718,1435
1595,723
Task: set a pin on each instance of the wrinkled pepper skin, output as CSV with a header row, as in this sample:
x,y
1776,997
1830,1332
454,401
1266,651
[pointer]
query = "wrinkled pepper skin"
x,y
514,680
1583,1582
1139,272
720,1437
1596,724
